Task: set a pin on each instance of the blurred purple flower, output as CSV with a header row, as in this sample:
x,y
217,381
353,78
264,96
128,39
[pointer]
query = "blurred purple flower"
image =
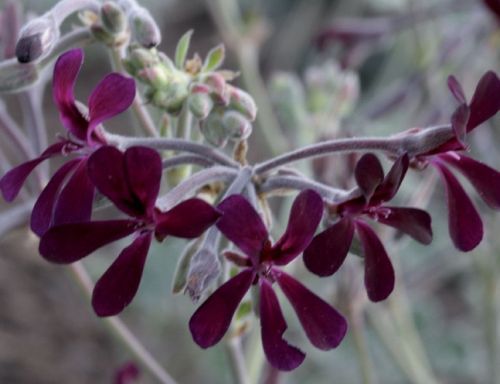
x,y
494,7
131,180
464,223
328,249
128,373
242,225
68,195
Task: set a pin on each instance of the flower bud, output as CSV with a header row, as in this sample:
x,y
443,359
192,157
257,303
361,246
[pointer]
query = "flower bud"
x,y
113,18
144,28
218,87
36,39
237,126
182,269
205,268
214,130
200,102
138,59
243,103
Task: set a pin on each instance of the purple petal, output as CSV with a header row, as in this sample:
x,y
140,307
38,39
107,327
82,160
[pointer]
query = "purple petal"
x,y
328,250
459,121
369,174
305,215
485,102
74,203
212,319
456,89
188,219
68,243
113,95
12,181
242,225
392,181
143,169
119,284
128,373
412,221
41,216
485,179
494,6
279,353
379,273
106,170
66,71
324,326
464,222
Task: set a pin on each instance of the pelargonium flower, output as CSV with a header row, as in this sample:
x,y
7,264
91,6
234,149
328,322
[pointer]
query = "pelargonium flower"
x,y
242,225
131,180
328,249
69,194
465,224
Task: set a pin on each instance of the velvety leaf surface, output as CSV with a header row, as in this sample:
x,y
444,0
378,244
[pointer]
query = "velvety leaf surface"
x,y
119,284
70,242
279,353
324,326
113,95
212,319
305,215
41,216
74,203
412,221
66,71
379,273
187,219
328,250
369,174
485,179
241,224
464,223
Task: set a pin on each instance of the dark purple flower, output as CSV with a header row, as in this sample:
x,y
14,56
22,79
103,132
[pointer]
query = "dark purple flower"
x,y
131,180
465,224
328,249
494,7
128,373
241,224
68,195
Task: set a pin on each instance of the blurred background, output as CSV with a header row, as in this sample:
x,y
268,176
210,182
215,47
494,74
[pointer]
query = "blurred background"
x,y
317,69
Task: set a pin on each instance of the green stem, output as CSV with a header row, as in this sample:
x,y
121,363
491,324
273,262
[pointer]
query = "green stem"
x,y
140,111
121,331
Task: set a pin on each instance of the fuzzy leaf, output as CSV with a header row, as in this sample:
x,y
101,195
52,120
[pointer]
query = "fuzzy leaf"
x,y
214,58
182,49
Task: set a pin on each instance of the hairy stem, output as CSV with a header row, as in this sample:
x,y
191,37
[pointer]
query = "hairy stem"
x,y
78,37
194,183
356,323
122,332
412,143
237,360
333,195
138,107
179,145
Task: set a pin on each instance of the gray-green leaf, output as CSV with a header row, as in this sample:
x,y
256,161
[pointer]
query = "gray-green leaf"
x,y
182,49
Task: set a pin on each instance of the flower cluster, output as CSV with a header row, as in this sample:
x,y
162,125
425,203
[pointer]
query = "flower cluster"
x,y
128,172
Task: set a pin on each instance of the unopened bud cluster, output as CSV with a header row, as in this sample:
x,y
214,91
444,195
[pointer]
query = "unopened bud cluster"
x,y
224,111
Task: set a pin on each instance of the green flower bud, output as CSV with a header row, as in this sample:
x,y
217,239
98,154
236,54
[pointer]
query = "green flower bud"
x,y
243,103
218,89
214,130
200,102
237,126
144,28
113,18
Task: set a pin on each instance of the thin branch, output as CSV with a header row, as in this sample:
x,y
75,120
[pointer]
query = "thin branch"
x,y
122,332
411,143
179,145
